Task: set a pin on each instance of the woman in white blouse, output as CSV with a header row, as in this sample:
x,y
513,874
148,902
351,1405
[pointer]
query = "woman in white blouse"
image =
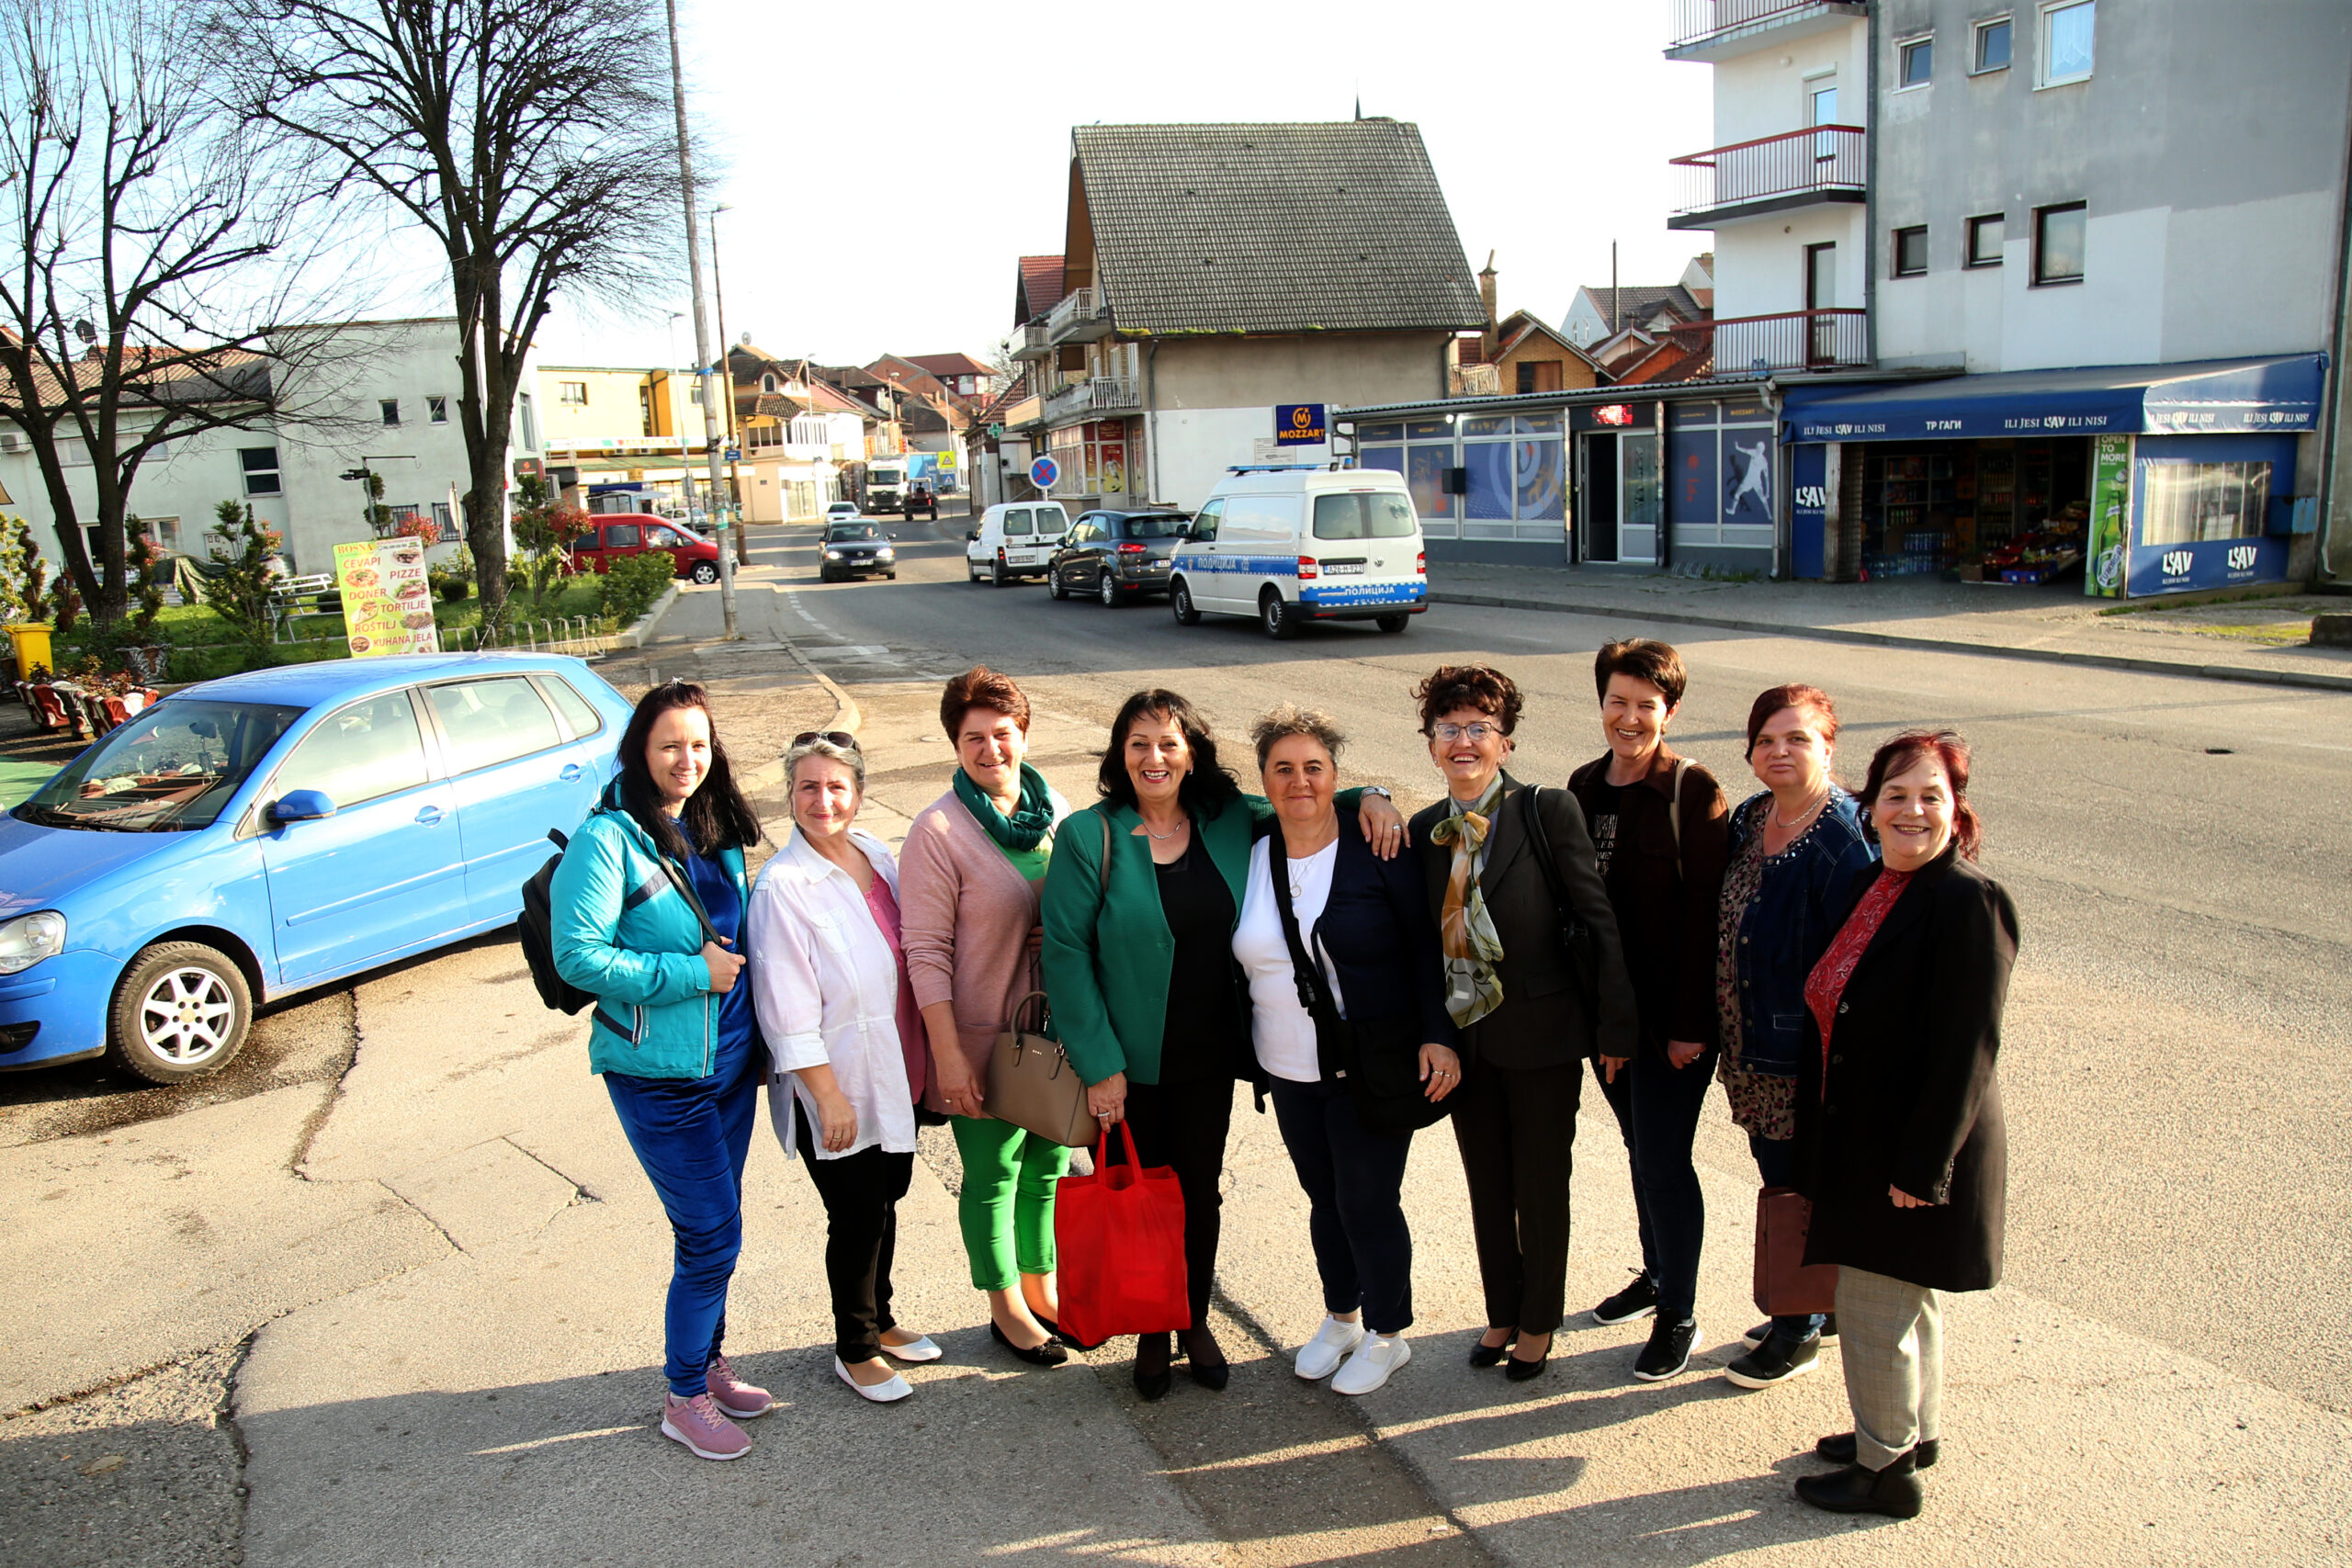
x,y
847,1045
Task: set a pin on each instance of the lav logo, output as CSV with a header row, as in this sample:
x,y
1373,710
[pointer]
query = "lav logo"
x,y
1816,497
2242,557
2176,563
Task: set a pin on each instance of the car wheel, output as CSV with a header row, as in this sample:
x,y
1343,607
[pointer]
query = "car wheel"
x,y
997,574
1107,589
891,575
1277,615
1054,583
1392,623
705,573
1179,600
180,1011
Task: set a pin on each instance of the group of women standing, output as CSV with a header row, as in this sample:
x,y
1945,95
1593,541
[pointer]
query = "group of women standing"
x,y
1837,962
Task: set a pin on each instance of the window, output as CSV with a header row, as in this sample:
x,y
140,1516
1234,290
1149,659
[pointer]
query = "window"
x,y
261,470
1984,239
623,535
437,410
579,716
764,436
444,518
390,409
164,531
2188,503
1377,514
1204,521
1016,522
1914,58
2058,237
525,417
1992,46
2067,42
492,721
768,383
574,394
1911,252
363,752
1539,375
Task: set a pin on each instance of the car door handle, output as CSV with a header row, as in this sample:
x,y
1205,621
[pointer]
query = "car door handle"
x,y
429,816
570,773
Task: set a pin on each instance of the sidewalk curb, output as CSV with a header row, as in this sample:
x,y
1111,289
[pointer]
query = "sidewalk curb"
x,y
640,630
2237,672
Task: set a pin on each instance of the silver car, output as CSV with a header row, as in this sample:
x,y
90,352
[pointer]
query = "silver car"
x,y
1115,556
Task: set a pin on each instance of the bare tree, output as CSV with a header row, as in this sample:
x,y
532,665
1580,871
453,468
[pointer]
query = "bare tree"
x,y
529,137
155,268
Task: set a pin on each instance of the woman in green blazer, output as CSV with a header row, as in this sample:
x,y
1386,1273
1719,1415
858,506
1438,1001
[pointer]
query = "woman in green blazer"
x,y
1139,968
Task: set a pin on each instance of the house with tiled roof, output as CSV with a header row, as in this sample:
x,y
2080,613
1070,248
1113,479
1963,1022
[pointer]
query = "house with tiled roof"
x,y
1600,312
1213,274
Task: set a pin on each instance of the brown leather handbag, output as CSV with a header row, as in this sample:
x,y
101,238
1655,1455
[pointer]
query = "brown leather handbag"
x,y
1786,1285
1031,1083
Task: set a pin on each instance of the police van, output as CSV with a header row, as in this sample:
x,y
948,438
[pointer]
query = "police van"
x,y
1292,544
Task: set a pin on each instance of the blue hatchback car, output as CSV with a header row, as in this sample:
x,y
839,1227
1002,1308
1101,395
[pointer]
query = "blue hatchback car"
x,y
253,837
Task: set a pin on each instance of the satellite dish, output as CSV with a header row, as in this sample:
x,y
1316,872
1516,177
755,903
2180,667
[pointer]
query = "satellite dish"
x,y
86,332
745,340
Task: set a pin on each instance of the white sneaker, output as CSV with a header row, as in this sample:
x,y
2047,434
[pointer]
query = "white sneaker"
x,y
1369,1368
1321,1356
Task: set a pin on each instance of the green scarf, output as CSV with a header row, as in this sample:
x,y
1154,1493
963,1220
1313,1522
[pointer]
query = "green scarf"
x,y
1029,819
1467,932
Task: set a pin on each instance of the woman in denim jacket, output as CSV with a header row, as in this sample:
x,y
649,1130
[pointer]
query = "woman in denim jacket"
x,y
1794,847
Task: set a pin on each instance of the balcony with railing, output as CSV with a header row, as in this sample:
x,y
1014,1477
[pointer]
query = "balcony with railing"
x,y
1772,173
1083,316
1033,343
1828,339
1095,395
1716,29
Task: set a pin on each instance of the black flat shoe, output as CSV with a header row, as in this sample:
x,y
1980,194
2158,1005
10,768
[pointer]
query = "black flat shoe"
x,y
1212,1371
1485,1355
1894,1491
1050,1354
1838,1448
1153,1380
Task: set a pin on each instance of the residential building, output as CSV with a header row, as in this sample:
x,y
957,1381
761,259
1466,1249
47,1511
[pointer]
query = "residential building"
x,y
801,436
626,438
957,376
1602,312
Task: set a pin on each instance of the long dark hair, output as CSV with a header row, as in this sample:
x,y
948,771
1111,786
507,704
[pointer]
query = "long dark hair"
x,y
717,816
1908,751
1206,789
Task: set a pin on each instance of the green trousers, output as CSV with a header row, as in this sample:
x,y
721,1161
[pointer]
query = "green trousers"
x,y
1007,1205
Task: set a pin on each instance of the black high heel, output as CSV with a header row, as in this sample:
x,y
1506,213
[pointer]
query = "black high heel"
x,y
1485,1355
1210,1374
1153,1380
1050,1354
1520,1370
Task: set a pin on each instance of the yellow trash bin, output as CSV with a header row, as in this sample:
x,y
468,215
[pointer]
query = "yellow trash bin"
x,y
30,642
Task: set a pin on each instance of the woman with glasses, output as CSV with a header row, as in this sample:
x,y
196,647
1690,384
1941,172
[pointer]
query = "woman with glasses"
x,y
847,1044
1535,983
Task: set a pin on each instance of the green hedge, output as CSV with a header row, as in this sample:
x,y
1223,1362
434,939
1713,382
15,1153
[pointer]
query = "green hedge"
x,y
628,590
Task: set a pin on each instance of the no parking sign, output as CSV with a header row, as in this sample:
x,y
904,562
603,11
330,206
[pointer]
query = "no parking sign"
x,y
1044,472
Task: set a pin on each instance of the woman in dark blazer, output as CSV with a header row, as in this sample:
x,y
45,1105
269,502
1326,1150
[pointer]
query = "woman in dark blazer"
x,y
1529,1008
1900,1140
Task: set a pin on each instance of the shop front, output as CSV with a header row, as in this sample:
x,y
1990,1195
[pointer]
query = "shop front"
x,y
2138,479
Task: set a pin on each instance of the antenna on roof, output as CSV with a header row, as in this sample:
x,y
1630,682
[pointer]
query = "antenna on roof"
x,y
1358,102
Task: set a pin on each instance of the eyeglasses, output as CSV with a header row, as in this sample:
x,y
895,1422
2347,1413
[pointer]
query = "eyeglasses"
x,y
1473,733
841,737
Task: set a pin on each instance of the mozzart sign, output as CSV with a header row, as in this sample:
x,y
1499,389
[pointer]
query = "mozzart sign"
x,y
1298,424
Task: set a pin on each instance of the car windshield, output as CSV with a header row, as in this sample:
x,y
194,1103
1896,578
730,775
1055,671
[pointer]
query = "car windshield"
x,y
1162,527
1364,515
852,533
171,768
885,476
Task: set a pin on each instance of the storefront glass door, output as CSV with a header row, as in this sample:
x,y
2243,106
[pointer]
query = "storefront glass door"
x,y
1641,491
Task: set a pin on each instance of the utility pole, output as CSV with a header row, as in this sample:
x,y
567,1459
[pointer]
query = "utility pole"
x,y
727,385
702,324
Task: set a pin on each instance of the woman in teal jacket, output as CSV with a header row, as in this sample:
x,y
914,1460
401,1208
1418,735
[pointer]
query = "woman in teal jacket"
x,y
650,880
1140,967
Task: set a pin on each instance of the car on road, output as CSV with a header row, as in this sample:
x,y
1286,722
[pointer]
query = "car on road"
x,y
268,833
619,534
1013,539
856,549
1290,542
841,511
1115,556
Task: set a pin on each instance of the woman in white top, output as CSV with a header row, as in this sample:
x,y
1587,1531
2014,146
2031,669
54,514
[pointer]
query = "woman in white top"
x,y
1347,1001
847,1045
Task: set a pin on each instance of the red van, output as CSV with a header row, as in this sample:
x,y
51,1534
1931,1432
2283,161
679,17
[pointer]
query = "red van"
x,y
621,534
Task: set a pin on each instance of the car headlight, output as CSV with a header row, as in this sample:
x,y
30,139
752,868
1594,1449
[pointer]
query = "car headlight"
x,y
28,939
832,555
885,553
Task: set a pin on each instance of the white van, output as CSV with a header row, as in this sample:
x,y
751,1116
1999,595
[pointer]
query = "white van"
x,y
1291,544
1015,538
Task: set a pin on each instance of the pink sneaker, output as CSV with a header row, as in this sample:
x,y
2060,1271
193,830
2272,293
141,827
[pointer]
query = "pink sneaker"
x,y
697,1424
732,1394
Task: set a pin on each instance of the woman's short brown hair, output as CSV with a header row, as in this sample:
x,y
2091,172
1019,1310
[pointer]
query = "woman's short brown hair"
x,y
1908,751
1643,658
981,687
1772,701
1480,686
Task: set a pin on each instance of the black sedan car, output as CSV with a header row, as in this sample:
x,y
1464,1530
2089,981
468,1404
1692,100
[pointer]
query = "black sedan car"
x,y
856,550
1115,556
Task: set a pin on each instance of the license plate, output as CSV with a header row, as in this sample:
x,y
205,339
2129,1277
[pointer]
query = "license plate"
x,y
1343,569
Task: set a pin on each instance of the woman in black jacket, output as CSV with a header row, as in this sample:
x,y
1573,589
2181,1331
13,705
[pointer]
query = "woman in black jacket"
x,y
1900,1143
1349,1025
1535,983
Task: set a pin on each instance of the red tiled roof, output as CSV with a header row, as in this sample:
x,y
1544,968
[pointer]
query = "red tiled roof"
x,y
1038,289
949,364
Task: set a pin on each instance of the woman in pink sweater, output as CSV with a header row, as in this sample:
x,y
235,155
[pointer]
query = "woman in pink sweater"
x,y
968,879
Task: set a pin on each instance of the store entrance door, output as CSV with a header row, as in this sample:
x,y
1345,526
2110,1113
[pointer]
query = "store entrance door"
x,y
1597,495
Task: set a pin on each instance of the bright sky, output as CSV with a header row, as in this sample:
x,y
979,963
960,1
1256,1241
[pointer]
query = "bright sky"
x,y
885,165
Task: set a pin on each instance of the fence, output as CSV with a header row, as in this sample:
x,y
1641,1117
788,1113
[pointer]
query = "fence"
x,y
1831,161
1698,19
1792,340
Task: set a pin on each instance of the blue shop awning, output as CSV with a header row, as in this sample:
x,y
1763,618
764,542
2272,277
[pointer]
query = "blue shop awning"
x,y
2207,397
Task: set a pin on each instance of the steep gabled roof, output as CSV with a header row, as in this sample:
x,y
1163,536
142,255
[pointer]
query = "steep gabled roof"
x,y
944,364
1037,289
1637,304
1521,325
1267,228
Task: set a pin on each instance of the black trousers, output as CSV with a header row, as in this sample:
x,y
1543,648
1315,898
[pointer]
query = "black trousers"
x,y
1658,1106
1183,1126
1355,1217
861,1193
1516,1128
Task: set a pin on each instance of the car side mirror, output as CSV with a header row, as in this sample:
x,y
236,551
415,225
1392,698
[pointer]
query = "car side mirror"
x,y
300,806
1183,530
971,536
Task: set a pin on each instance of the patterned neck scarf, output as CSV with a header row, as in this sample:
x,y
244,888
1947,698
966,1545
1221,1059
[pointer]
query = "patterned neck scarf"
x,y
1466,931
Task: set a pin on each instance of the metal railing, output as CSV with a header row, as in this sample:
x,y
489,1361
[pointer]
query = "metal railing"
x,y
1829,339
1696,21
1829,160
1096,394
580,636
1081,314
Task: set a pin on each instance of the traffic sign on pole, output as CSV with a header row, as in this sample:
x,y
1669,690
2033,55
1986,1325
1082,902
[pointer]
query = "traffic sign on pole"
x,y
1044,472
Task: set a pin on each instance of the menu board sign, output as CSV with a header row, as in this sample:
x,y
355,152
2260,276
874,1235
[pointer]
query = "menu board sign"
x,y
387,603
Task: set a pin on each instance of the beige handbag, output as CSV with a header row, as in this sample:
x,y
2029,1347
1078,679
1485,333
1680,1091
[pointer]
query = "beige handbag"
x,y
1033,1085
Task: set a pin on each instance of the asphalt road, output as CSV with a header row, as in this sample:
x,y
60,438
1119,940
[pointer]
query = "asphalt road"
x,y
2176,1071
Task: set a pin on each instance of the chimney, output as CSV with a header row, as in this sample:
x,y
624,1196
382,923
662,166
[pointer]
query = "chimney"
x,y
1486,297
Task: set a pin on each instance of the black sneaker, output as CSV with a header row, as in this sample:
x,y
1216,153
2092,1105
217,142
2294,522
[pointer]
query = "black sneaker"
x,y
1668,1351
1777,1360
1829,1331
1629,1303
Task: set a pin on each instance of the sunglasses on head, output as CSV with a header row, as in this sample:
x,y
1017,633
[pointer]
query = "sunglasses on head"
x,y
841,737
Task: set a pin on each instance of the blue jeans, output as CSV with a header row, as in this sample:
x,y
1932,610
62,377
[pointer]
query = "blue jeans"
x,y
691,1135
1658,1106
1352,1177
1776,1160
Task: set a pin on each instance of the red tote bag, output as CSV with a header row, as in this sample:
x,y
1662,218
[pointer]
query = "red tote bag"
x,y
1786,1286
1120,1232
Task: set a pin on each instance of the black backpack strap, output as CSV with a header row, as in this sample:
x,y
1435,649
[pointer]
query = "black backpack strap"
x,y
1314,996
684,884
